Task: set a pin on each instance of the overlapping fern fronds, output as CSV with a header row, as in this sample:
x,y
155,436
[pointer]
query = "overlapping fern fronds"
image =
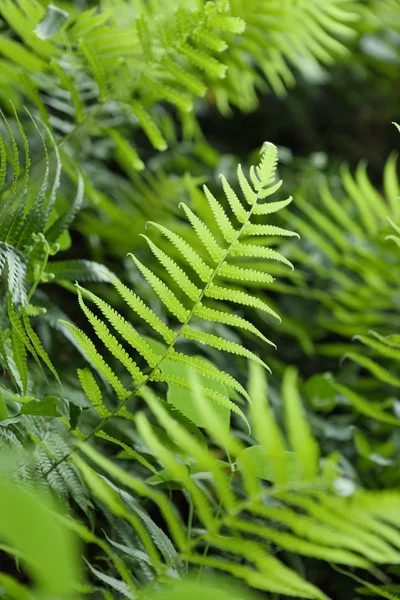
x,y
160,53
242,525
32,229
354,272
193,284
279,37
379,356
140,56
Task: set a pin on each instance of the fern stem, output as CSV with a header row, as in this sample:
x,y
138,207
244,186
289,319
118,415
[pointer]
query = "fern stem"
x,y
41,271
178,334
208,543
190,523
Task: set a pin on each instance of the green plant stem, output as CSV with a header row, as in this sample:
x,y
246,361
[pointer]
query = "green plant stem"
x,y
190,523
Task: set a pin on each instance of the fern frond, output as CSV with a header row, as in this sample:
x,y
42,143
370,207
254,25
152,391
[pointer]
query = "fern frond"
x,y
40,351
375,368
241,274
204,235
261,177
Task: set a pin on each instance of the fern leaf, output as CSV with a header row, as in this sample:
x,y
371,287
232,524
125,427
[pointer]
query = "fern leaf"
x,y
376,369
203,61
209,40
185,78
20,332
37,345
70,86
255,229
77,270
145,39
204,234
163,292
139,307
92,391
95,66
207,370
181,101
187,252
96,359
16,275
111,343
365,407
392,341
20,359
124,329
254,251
119,586
213,395
381,347
220,343
125,154
238,210
240,297
303,547
217,316
221,217
3,163
265,426
149,127
65,220
271,207
249,194
241,274
129,452
176,273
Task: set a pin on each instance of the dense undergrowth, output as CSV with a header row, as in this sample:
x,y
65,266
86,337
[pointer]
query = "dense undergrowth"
x,y
199,361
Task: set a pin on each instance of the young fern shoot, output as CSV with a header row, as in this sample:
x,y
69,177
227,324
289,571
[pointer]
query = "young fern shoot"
x,y
212,273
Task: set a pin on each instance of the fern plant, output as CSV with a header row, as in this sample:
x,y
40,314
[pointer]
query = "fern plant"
x,y
33,228
242,526
194,298
163,52
251,510
351,277
378,356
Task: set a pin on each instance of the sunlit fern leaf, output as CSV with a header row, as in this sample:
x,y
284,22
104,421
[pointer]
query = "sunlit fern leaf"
x,y
189,299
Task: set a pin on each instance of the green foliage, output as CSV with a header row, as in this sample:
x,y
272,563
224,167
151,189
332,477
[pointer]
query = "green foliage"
x,y
233,242
148,284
